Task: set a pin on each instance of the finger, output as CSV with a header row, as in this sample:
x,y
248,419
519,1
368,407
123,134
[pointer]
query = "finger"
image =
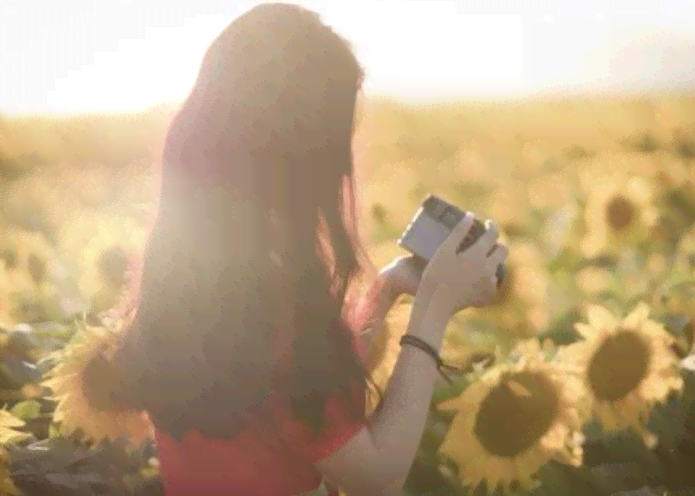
x,y
416,264
409,265
497,257
487,241
458,233
398,263
487,290
401,261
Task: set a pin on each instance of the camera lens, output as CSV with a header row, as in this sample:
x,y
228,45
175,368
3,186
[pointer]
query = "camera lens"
x,y
500,273
476,231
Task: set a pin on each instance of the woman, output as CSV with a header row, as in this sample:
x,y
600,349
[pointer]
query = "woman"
x,y
243,349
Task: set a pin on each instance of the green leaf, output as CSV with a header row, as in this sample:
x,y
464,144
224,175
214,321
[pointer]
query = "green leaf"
x,y
27,410
561,331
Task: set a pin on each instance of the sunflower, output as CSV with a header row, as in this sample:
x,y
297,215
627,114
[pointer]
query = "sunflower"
x,y
619,213
513,420
9,435
626,367
74,409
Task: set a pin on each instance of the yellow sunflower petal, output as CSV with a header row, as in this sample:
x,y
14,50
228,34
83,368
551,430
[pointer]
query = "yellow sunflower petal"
x,y
626,367
637,317
512,421
599,317
74,411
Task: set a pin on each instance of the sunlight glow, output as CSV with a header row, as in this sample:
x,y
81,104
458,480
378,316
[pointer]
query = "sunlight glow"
x,y
162,66
409,48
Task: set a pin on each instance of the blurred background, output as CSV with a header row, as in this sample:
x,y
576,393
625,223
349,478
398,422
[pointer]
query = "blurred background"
x,y
570,123
76,55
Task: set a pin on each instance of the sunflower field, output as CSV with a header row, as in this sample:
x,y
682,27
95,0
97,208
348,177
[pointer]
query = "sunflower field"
x,y
578,380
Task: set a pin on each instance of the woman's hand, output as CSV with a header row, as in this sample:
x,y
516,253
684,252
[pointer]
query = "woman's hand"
x,y
456,280
403,274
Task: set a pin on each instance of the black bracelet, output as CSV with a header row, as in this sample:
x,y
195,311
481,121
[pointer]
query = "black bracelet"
x,y
420,344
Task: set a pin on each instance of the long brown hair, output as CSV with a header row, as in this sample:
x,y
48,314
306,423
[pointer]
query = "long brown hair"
x,y
257,166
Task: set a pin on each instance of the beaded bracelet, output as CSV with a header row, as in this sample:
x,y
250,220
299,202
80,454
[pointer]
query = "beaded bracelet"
x,y
407,339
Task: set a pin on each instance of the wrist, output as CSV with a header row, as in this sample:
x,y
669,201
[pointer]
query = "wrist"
x,y
434,298
429,316
385,286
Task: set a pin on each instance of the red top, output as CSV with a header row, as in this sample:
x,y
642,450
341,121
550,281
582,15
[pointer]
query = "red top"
x,y
257,462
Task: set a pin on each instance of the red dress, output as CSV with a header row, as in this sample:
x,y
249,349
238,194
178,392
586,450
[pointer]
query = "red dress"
x,y
256,462
259,461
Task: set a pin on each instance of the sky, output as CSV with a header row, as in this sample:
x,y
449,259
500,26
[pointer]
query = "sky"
x,y
92,55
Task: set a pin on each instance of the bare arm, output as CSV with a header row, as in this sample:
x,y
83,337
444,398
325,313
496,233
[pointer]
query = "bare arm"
x,y
377,460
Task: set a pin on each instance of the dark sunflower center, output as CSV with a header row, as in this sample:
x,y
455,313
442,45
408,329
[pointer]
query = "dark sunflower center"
x,y
619,212
618,366
516,413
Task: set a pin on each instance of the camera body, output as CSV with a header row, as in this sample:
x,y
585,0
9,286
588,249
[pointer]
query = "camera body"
x,y
432,224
